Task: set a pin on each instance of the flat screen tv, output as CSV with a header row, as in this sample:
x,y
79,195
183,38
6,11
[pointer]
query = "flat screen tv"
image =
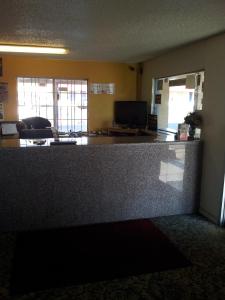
x,y
132,114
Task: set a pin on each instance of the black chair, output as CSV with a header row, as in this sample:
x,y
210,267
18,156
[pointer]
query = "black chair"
x,y
36,133
36,128
36,123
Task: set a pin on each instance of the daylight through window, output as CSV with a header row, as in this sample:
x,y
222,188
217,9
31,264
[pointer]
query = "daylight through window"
x,y
63,102
175,97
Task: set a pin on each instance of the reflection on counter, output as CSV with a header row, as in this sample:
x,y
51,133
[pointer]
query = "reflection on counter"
x,y
172,171
84,140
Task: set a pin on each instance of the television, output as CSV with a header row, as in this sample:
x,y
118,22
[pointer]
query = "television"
x,y
131,114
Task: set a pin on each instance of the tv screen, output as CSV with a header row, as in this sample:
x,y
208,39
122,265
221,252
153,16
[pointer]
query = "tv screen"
x,y
132,114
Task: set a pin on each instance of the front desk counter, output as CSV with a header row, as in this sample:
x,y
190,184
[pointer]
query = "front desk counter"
x,y
101,179
96,140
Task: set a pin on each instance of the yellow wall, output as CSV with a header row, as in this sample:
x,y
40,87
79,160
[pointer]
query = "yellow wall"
x,y
100,107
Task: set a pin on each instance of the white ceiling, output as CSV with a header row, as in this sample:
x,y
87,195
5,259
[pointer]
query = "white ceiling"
x,y
110,30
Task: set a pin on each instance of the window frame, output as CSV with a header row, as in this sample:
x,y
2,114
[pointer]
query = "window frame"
x,y
175,77
55,96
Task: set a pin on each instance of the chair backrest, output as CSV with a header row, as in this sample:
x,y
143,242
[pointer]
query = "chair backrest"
x,y
37,123
36,133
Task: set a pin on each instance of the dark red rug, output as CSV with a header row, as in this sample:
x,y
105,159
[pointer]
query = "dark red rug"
x,y
61,257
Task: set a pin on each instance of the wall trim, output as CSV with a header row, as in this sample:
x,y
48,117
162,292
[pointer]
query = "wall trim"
x,y
208,215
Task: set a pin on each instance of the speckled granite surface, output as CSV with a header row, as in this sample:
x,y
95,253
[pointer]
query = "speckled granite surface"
x,y
70,185
202,242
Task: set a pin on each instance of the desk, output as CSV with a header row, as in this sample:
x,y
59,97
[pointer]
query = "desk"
x,y
135,132
128,131
101,179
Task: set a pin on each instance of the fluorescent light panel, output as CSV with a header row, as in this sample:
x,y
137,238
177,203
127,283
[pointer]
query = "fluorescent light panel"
x,y
32,49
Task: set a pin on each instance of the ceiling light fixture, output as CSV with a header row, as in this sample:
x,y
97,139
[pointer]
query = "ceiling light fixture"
x,y
32,49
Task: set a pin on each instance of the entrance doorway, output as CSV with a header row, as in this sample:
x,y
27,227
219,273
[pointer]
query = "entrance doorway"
x,y
177,96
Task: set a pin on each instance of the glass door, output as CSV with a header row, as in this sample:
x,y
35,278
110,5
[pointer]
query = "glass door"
x,y
63,102
222,216
71,104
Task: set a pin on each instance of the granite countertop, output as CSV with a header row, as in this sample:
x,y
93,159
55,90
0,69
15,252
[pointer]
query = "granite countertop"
x,y
97,140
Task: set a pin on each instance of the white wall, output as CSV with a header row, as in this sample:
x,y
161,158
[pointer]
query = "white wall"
x,y
210,56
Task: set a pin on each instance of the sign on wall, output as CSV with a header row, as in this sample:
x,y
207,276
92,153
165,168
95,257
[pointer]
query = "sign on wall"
x,y
1,72
158,99
1,112
102,88
3,91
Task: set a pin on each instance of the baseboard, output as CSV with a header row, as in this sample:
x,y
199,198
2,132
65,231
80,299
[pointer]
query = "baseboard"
x,y
208,215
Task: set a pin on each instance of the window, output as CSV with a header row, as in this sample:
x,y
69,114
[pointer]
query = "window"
x,y
179,95
63,102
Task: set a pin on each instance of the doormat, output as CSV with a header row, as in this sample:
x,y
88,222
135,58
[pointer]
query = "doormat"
x,y
68,256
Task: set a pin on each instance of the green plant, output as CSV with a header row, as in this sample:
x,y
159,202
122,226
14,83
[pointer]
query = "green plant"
x,y
194,119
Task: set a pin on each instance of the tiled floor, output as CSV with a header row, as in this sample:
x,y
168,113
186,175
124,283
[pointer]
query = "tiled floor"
x,y
202,242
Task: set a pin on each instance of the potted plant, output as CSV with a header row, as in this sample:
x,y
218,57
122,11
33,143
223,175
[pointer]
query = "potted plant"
x,y
194,120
